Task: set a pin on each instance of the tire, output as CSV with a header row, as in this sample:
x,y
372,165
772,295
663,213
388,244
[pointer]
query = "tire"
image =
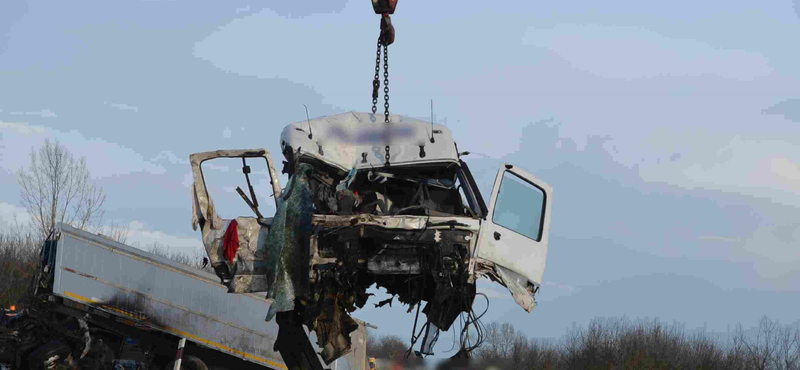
x,y
188,363
54,351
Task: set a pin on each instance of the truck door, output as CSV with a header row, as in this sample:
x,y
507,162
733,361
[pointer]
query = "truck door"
x,y
235,244
514,234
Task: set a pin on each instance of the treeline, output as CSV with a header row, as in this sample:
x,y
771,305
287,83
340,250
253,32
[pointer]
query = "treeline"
x,y
19,254
611,343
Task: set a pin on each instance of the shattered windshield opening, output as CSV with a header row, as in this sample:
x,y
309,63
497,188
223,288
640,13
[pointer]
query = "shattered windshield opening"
x,y
417,190
222,177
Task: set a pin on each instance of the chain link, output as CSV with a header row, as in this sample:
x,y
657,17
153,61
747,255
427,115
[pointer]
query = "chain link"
x,y
376,82
387,155
386,84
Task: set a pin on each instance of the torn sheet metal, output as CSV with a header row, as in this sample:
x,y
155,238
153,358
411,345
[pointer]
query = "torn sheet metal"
x,y
333,326
287,243
404,222
516,284
203,210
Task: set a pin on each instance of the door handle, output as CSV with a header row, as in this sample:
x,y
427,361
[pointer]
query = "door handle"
x,y
496,235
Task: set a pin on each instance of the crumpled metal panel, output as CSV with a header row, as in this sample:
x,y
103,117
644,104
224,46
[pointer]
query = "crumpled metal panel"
x,y
203,207
287,243
251,258
359,139
250,232
405,222
212,241
333,327
514,283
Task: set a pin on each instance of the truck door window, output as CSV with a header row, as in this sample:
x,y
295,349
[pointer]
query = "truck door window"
x,y
223,175
519,206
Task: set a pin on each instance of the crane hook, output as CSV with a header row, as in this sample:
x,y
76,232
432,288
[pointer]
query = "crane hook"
x,y
385,8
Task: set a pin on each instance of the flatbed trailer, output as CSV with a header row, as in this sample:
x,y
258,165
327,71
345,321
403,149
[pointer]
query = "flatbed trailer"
x,y
129,297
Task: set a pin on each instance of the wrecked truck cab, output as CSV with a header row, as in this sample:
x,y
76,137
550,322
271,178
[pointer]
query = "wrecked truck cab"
x,y
375,203
246,239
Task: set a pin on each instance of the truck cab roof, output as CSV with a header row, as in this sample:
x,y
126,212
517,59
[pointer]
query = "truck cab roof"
x,y
359,140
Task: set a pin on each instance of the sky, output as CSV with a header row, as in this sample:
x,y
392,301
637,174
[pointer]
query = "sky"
x,y
670,132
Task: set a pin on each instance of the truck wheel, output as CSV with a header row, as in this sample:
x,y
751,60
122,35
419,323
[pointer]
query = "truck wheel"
x,y
49,355
188,363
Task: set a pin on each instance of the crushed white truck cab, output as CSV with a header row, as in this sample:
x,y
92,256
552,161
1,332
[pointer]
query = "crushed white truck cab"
x,y
368,203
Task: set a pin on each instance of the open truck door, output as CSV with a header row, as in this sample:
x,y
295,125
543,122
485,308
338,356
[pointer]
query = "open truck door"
x,y
235,246
514,234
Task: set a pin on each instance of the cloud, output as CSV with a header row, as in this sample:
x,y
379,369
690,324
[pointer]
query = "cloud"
x,y
787,171
188,179
230,48
629,52
44,113
122,106
103,158
723,205
296,9
12,215
493,290
564,287
772,250
170,157
142,236
756,167
789,109
719,238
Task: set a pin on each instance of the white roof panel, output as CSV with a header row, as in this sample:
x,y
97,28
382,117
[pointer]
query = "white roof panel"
x,y
342,140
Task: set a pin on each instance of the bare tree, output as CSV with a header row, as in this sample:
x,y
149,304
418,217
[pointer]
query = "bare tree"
x,y
57,188
117,232
789,348
386,347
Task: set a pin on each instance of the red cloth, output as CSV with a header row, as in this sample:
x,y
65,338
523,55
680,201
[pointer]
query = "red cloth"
x,y
230,243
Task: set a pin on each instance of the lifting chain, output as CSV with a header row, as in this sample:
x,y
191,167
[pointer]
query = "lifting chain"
x,y
376,85
386,83
386,38
376,82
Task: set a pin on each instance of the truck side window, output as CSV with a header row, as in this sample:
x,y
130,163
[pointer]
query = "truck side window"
x,y
519,206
